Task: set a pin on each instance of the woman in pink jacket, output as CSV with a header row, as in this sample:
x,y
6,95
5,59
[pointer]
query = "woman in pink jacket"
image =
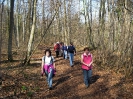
x,y
86,60
48,67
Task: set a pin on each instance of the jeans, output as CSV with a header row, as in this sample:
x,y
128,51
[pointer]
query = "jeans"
x,y
87,75
49,77
71,57
65,54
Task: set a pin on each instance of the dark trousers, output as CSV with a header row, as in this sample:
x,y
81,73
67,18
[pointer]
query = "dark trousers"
x,y
57,53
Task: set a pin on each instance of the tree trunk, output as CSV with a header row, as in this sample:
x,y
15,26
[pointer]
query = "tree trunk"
x,y
65,24
88,23
69,21
10,57
1,32
43,18
23,18
28,22
58,20
17,23
85,17
30,43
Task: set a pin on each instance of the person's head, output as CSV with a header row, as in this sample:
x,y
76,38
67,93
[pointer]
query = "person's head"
x,y
71,43
58,42
48,52
86,50
65,44
62,43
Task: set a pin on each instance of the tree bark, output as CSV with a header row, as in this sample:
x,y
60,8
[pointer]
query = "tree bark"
x,y
1,32
17,23
65,24
23,18
43,18
10,57
58,20
32,32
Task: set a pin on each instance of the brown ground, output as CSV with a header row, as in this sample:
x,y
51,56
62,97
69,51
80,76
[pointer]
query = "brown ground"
x,y
67,84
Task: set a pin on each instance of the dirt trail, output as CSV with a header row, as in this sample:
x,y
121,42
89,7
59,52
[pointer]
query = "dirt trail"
x,y
67,84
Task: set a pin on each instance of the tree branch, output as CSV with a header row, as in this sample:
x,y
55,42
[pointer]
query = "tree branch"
x,y
128,9
25,63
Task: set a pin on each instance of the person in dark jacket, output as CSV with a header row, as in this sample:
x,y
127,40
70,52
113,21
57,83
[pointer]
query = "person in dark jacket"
x,y
71,52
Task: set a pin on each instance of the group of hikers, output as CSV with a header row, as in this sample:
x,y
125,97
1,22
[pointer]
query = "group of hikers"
x,y
48,62
65,51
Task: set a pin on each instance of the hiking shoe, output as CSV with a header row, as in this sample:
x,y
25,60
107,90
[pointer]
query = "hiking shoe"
x,y
72,66
87,86
50,88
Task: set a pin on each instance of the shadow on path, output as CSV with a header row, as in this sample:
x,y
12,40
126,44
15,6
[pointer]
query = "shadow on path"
x,y
94,78
61,80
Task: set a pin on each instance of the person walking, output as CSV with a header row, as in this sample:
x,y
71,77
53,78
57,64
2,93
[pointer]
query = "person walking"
x,y
61,49
71,52
48,67
65,51
57,49
86,60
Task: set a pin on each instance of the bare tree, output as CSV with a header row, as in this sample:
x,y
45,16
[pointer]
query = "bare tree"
x,y
32,32
65,23
17,23
10,57
1,32
23,18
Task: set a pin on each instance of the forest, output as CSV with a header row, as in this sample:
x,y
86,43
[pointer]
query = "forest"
x,y
28,27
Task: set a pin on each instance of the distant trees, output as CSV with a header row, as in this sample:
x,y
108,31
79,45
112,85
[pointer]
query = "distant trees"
x,y
116,34
111,33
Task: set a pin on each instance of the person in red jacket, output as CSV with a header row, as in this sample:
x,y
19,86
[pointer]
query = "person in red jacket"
x,y
57,49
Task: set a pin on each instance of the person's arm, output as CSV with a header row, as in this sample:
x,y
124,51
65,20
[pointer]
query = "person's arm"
x,y
75,50
42,64
91,61
54,48
53,62
63,48
54,65
67,48
82,61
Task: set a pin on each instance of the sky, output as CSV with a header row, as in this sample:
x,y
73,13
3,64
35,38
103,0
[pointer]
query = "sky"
x,y
95,9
